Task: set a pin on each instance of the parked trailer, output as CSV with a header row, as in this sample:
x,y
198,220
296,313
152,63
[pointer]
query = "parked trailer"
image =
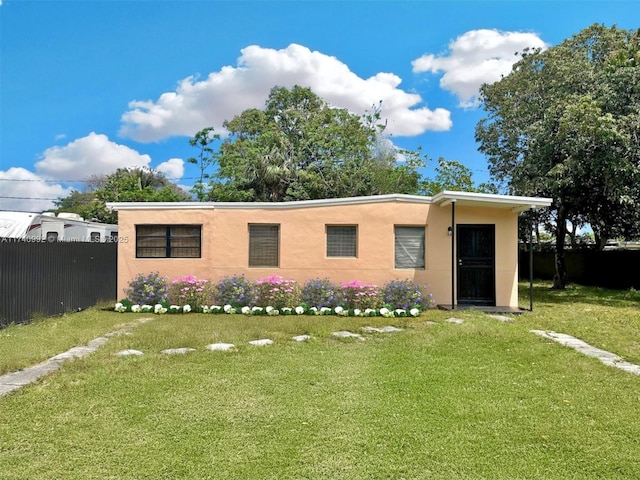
x,y
66,227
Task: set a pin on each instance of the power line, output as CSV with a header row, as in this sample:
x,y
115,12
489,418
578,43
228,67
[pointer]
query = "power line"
x,y
75,181
30,198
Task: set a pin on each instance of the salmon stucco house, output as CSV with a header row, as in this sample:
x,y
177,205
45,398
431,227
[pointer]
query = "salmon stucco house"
x,y
463,245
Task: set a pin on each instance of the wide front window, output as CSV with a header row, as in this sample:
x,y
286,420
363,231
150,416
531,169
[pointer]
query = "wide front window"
x,y
409,247
264,245
168,241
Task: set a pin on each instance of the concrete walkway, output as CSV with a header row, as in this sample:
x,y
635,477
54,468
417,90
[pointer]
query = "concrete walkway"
x,y
14,380
608,358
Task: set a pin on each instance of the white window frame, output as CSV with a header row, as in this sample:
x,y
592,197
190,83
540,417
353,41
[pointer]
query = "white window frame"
x,y
410,247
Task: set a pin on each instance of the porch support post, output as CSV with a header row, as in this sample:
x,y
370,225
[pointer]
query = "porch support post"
x,y
453,254
531,259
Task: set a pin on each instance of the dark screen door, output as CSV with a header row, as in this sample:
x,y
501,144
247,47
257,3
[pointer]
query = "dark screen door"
x,y
476,264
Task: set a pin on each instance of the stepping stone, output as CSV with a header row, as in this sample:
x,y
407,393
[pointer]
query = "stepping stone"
x,y
263,342
221,347
502,318
391,329
127,353
457,321
171,351
345,334
97,342
74,352
117,333
301,338
429,322
371,330
387,329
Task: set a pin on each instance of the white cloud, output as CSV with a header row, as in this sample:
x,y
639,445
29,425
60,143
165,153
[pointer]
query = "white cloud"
x,y
173,168
27,191
86,156
474,58
196,104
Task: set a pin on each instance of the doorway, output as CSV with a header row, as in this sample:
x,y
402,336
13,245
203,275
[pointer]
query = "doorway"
x,y
476,260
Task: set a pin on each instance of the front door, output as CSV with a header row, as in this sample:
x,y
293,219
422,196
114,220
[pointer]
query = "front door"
x,y
476,264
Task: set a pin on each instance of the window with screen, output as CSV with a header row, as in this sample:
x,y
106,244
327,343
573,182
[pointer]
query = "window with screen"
x,y
168,241
409,247
95,236
342,240
264,245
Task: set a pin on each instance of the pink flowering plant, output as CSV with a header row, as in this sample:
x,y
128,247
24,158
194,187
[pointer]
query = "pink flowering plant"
x,y
192,291
277,292
361,295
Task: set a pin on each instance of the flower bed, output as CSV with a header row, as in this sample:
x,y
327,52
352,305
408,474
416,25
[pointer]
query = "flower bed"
x,y
274,295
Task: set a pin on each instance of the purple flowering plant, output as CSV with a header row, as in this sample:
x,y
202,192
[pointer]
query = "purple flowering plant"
x,y
406,295
192,291
149,289
236,291
277,292
321,293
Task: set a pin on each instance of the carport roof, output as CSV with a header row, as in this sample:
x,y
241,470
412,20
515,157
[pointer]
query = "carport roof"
x,y
515,203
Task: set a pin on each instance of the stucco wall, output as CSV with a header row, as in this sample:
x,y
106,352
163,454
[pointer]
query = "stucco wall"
x,y
303,244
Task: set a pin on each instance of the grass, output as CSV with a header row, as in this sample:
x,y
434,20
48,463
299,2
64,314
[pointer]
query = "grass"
x,y
22,345
483,399
608,319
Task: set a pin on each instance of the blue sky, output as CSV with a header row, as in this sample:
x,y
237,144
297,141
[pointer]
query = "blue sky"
x,y
90,86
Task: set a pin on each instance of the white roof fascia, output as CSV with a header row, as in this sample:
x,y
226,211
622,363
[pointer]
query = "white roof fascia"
x,y
268,205
443,198
515,203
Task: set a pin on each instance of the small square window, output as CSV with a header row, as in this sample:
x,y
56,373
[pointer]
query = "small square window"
x,y
342,241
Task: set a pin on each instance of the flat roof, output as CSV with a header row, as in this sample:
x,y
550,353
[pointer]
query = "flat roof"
x,y
443,198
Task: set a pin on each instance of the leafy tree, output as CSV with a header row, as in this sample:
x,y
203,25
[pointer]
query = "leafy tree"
x,y
140,184
75,202
300,148
564,124
205,159
453,175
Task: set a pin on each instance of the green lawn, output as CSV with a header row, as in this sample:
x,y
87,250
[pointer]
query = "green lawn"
x,y
483,399
25,345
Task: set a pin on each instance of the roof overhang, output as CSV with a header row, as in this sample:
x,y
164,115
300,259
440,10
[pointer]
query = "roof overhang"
x,y
517,204
512,202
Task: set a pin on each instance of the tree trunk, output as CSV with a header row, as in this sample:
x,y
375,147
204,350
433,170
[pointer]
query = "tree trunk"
x,y
560,277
